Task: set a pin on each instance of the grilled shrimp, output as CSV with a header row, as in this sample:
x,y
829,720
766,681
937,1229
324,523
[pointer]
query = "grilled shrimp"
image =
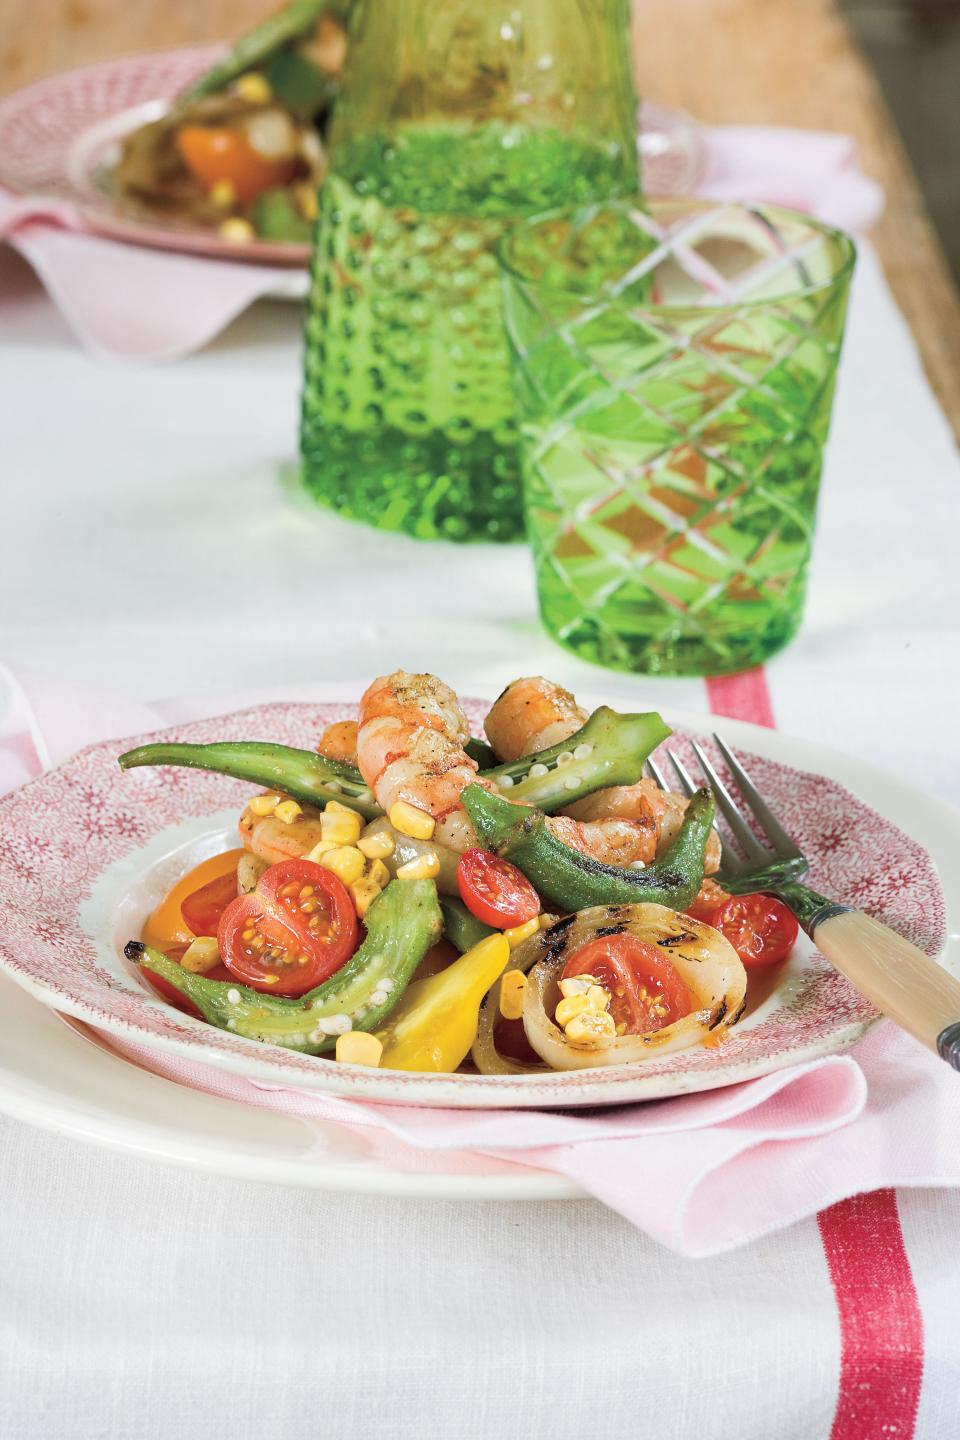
x,y
534,713
531,715
610,840
339,742
273,840
410,743
410,747
659,812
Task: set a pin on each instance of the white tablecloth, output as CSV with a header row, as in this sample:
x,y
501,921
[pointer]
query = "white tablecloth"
x,y
149,546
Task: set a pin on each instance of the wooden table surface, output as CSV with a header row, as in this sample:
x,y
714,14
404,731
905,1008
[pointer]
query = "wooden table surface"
x,y
779,62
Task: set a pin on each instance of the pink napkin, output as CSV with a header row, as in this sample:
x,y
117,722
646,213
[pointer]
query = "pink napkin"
x,y
802,169
129,302
124,302
701,1173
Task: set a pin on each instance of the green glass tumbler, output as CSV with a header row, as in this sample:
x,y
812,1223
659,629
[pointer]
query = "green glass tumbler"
x,y
454,120
674,368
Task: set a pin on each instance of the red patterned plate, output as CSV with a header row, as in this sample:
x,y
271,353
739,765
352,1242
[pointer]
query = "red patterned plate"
x,y
60,137
88,851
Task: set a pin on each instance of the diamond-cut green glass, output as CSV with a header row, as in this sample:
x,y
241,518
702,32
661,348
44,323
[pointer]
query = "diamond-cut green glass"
x,y
675,371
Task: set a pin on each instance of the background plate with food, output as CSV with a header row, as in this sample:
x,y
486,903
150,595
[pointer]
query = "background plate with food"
x,y
220,151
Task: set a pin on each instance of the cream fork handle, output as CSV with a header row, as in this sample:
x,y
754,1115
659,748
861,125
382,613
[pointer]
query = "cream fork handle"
x,y
900,980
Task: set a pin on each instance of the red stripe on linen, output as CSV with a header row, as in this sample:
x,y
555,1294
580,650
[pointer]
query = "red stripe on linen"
x,y
742,697
881,1324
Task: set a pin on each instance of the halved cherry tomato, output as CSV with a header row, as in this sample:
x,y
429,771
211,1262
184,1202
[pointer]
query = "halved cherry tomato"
x,y
168,928
202,910
495,891
292,932
646,992
214,153
192,907
759,927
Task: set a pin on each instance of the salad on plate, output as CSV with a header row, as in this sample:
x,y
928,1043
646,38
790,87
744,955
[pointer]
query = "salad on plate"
x,y
413,897
241,150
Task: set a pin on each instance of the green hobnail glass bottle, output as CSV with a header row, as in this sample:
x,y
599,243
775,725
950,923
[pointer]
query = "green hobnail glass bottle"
x,y
454,121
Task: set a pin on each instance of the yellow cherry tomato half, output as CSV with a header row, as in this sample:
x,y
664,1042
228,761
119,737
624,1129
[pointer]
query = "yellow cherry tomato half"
x,y
166,928
214,153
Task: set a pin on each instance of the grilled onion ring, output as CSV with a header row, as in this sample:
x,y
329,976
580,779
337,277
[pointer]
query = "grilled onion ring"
x,y
704,959
484,1053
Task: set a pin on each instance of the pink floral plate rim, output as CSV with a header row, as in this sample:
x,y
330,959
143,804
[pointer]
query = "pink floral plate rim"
x,y
80,840
59,134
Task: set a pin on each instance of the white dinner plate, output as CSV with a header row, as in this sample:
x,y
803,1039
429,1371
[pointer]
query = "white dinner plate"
x,y
62,1077
89,851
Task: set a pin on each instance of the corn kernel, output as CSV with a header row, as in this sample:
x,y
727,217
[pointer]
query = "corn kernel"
x,y
409,820
378,873
322,847
512,988
570,1007
575,985
345,861
287,811
237,230
339,824
377,844
359,1048
422,867
593,1001
546,920
335,807
264,804
598,998
588,1029
223,194
201,955
254,88
305,196
518,933
363,892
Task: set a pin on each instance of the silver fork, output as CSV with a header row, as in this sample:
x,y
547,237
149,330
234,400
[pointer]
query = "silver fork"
x,y
898,978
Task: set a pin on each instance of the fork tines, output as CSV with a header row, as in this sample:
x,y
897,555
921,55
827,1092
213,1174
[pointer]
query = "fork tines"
x,y
781,845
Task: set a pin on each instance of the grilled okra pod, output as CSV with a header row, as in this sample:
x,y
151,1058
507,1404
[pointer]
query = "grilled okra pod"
x,y
402,924
574,881
303,774
610,749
